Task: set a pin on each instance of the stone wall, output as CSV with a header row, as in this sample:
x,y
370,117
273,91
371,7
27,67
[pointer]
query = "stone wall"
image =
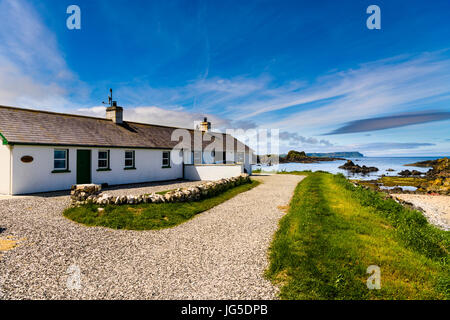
x,y
84,194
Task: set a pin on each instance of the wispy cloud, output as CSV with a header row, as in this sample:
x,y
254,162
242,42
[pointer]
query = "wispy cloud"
x,y
393,145
405,84
176,117
397,84
393,121
33,72
297,140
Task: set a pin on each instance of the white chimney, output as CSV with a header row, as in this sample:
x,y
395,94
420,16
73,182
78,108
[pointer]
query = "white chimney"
x,y
115,113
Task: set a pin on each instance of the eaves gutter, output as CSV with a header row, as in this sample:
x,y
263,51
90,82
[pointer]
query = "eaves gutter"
x,y
90,146
84,145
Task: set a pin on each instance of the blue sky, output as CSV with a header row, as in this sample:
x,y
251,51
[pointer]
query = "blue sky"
x,y
311,69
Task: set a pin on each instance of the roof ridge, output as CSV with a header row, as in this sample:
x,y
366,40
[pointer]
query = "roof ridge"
x,y
95,118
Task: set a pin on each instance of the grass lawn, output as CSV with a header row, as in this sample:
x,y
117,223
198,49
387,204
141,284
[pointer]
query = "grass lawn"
x,y
333,231
149,216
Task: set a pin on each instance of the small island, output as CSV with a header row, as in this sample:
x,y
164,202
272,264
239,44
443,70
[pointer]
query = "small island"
x,y
355,168
293,157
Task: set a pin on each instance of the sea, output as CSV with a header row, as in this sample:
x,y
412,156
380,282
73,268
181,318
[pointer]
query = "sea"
x,y
382,163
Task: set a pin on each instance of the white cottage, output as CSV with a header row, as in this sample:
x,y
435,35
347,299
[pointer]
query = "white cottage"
x,y
44,151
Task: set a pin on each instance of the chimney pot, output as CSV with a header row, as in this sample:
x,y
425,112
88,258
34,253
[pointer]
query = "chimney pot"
x,y
205,126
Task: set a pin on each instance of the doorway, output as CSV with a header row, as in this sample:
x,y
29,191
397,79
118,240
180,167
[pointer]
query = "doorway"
x,y
83,166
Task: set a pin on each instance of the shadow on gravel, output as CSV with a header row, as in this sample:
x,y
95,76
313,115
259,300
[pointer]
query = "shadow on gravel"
x,y
2,230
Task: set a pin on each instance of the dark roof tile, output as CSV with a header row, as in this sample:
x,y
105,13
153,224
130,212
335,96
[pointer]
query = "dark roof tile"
x,y
24,126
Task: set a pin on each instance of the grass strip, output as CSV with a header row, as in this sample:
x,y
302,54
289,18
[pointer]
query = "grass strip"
x,y
333,231
149,216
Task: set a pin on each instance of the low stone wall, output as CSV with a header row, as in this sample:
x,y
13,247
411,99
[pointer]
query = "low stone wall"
x,y
84,194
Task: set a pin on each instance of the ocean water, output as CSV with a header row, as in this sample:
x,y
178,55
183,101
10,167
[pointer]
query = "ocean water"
x,y
382,163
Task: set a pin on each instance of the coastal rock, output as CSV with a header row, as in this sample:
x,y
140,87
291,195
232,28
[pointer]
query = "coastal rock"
x,y
438,178
355,168
407,173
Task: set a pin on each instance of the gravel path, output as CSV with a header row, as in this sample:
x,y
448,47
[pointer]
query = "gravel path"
x,y
220,254
437,208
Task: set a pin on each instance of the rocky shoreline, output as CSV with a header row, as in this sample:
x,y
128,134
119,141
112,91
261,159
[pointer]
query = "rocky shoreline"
x,y
435,208
436,181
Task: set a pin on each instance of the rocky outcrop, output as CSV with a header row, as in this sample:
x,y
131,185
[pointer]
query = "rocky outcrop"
x,y
407,173
356,168
292,157
85,194
438,178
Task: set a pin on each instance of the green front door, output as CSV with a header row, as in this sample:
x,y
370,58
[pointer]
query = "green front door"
x,y
83,166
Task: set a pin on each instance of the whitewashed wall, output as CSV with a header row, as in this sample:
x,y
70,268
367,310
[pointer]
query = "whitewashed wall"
x,y
211,172
5,169
148,165
37,176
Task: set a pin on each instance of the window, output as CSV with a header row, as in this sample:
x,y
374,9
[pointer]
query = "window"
x,y
129,160
103,159
60,160
166,159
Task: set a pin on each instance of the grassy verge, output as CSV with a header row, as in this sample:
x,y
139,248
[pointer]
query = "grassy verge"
x,y
149,216
333,231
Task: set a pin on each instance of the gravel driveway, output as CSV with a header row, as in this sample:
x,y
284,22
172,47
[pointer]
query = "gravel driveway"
x,y
220,254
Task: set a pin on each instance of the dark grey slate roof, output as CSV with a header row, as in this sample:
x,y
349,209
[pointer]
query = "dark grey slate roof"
x,y
33,127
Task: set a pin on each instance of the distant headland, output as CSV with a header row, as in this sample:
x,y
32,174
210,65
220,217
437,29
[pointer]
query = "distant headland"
x,y
351,154
302,157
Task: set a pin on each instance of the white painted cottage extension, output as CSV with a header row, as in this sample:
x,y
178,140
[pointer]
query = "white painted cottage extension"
x,y
44,151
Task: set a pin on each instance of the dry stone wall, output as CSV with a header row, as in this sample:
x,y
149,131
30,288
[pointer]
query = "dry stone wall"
x,y
91,193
